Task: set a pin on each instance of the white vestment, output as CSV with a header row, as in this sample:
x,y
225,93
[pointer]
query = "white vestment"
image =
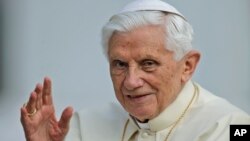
x,y
208,119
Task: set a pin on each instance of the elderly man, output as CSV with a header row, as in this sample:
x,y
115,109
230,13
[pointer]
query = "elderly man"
x,y
148,46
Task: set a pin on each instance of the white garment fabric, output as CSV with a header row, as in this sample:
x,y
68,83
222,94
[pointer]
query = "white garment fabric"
x,y
208,119
156,5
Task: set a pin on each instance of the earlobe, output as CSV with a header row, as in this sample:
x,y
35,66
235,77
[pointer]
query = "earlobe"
x,y
191,61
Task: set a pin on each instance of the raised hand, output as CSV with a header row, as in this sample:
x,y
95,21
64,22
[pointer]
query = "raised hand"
x,y
38,116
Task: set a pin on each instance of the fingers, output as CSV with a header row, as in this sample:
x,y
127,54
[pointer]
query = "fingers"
x,y
46,93
23,115
39,97
38,91
31,105
35,100
65,119
28,108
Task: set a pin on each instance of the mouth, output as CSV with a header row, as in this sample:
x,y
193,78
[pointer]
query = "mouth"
x,y
136,96
139,98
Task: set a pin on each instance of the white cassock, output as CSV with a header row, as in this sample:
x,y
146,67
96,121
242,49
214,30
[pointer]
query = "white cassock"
x,y
207,119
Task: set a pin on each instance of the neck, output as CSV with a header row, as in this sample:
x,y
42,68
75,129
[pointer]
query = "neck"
x,y
138,120
143,121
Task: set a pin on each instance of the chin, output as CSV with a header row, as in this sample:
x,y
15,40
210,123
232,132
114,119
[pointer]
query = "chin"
x,y
142,113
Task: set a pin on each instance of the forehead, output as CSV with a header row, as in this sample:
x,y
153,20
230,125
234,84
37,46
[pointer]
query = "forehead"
x,y
145,40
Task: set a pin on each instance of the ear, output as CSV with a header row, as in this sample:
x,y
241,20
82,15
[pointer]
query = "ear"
x,y
190,60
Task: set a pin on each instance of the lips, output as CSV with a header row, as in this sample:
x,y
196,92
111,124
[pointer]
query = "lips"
x,y
137,96
139,99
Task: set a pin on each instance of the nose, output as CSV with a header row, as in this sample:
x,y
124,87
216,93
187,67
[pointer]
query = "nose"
x,y
133,79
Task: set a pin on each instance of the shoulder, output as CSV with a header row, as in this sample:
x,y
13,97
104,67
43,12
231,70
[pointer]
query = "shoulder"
x,y
210,118
104,121
210,103
110,113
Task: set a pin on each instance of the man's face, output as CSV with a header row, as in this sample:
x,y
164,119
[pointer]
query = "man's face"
x,y
145,76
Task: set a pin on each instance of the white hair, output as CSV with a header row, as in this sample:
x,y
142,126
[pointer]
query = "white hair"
x,y
179,33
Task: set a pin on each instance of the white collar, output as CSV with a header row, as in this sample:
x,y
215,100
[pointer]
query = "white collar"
x,y
171,113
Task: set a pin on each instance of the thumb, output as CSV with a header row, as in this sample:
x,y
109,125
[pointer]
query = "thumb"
x,y
65,119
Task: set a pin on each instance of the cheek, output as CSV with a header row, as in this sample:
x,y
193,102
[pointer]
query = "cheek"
x,y
117,84
164,82
162,78
168,73
167,81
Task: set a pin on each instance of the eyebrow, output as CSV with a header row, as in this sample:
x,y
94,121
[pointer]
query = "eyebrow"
x,y
148,56
120,57
115,57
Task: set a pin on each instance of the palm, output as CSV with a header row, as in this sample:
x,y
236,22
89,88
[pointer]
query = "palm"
x,y
43,126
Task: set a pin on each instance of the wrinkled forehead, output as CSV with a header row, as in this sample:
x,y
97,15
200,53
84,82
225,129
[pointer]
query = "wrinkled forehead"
x,y
143,40
143,35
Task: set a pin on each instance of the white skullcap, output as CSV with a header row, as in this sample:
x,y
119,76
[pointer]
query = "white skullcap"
x,y
156,5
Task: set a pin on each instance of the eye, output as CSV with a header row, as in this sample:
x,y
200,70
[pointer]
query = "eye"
x,y
149,65
118,66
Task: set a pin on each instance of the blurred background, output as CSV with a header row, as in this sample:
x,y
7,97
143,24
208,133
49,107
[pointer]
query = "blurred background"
x,y
61,39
